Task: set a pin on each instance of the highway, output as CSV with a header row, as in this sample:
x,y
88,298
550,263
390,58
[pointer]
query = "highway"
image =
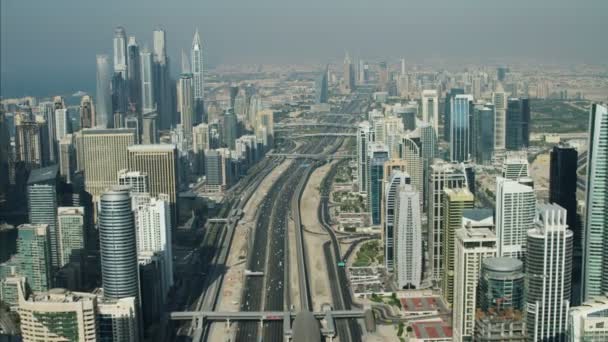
x,y
269,252
202,283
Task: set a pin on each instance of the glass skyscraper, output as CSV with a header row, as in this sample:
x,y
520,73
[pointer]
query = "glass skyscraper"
x,y
42,205
595,246
460,128
378,155
119,272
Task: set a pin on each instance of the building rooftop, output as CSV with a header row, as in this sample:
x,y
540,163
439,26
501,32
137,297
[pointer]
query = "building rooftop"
x,y
152,148
60,295
43,175
478,214
103,131
475,234
501,264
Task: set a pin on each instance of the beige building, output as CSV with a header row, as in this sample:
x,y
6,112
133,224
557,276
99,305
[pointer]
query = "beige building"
x,y
103,152
159,162
455,202
472,245
264,130
58,316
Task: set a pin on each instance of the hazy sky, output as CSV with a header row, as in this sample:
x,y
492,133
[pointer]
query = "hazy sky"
x,y
49,46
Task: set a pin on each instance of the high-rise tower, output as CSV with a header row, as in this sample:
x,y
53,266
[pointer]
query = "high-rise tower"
x,y
430,108
460,128
408,237
118,247
595,247
197,65
134,74
515,212
548,275
104,93
120,52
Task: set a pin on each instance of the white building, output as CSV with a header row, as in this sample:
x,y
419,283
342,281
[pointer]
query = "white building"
x,y
499,99
408,240
441,175
515,214
589,321
197,65
472,246
515,166
396,180
363,140
548,275
153,227
61,123
430,108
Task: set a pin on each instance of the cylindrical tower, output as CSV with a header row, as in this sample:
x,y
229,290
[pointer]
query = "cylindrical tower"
x,y
501,285
119,273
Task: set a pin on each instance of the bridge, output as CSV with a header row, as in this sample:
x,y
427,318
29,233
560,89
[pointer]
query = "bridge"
x,y
298,136
281,126
199,318
311,156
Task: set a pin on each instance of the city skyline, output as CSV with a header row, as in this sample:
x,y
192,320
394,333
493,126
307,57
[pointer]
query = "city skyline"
x,y
69,68
265,186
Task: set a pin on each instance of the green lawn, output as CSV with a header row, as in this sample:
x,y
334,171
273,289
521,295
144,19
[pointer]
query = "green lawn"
x,y
557,116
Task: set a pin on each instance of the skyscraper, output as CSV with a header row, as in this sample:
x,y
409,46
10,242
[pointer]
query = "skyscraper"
x,y
562,190
230,128
430,108
134,74
377,156
517,133
34,256
408,238
455,201
595,247
29,137
103,113
185,102
460,128
321,91
67,158
484,134
162,83
197,65
349,74
120,52
153,226
410,150
501,301
472,246
104,153
148,99
159,162
515,212
70,234
117,238
447,118
62,125
442,175
499,99
42,205
396,178
87,112
548,275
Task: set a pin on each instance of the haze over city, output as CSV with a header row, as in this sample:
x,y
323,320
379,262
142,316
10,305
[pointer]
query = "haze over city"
x,y
304,171
51,44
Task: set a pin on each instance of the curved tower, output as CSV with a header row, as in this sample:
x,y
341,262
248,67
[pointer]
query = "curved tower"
x,y
119,273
